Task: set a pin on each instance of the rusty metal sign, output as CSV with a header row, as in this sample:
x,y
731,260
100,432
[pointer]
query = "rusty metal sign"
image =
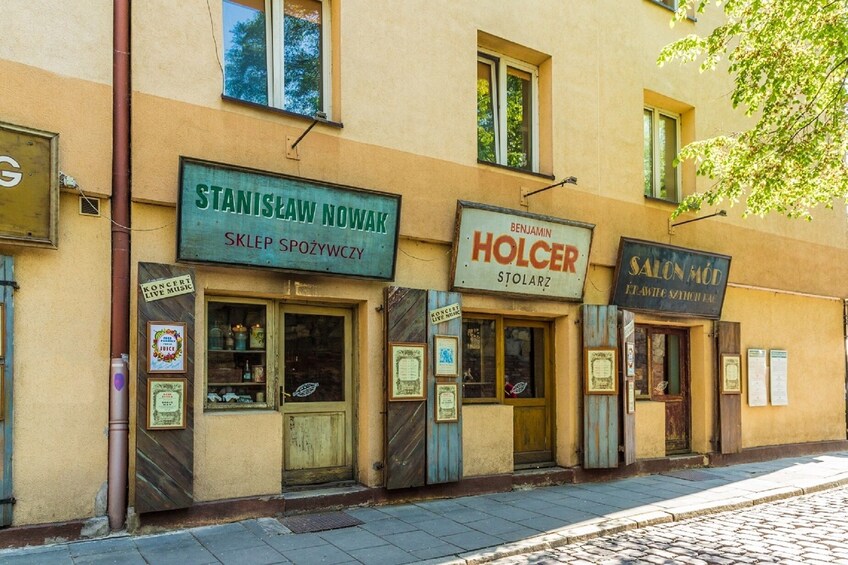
x,y
29,186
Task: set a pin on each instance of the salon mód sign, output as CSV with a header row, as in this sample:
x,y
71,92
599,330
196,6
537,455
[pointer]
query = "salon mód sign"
x,y
510,252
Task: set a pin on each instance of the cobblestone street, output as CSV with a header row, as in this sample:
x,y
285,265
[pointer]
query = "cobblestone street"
x,y
809,529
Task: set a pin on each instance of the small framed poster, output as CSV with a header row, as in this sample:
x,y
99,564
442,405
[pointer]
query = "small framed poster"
x,y
166,403
447,402
445,352
599,370
166,347
630,358
731,373
631,396
407,371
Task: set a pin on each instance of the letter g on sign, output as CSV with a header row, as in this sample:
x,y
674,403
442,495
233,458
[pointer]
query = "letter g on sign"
x,y
9,179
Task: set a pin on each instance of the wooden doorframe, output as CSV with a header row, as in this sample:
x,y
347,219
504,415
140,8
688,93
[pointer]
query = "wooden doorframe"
x,y
330,474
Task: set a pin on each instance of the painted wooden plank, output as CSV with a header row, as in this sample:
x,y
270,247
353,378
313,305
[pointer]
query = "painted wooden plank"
x,y
628,428
444,440
164,462
406,422
7,273
729,405
601,412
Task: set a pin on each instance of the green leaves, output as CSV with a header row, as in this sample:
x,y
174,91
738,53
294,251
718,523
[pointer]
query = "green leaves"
x,y
789,60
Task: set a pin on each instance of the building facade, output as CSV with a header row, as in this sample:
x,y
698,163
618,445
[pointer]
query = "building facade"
x,y
336,278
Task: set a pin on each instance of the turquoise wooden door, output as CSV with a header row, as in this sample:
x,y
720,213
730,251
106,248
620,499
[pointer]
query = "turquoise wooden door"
x,y
7,288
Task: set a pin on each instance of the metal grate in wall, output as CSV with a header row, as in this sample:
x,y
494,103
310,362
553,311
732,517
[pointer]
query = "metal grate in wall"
x,y
89,206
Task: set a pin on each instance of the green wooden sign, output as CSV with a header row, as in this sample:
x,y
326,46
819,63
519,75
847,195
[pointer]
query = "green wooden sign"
x,y
235,216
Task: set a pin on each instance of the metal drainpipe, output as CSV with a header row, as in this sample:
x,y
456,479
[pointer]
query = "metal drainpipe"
x,y
118,378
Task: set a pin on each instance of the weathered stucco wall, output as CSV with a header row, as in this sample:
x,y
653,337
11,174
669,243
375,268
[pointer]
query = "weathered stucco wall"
x,y
487,453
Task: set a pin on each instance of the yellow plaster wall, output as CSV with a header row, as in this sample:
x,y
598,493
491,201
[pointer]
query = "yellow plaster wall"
x,y
61,370
486,439
72,39
650,429
810,329
701,386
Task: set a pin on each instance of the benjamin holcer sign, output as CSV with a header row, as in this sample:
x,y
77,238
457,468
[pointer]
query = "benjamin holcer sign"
x,y
671,280
510,252
235,216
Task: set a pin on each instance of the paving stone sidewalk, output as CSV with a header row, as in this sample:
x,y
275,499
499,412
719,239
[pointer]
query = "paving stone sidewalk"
x,y
467,530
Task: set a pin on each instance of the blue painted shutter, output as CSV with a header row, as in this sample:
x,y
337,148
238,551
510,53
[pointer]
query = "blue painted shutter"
x,y
7,275
600,411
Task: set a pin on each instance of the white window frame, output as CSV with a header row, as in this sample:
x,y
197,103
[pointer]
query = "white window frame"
x,y
274,29
499,63
655,145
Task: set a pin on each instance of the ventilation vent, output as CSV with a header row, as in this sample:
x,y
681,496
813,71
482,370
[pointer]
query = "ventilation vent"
x,y
89,206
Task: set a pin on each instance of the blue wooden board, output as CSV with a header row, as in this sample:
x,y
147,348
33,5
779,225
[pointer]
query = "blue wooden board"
x,y
444,439
7,273
229,215
600,411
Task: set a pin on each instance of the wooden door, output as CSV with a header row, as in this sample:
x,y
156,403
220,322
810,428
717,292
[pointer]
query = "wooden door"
x,y
316,403
526,388
668,359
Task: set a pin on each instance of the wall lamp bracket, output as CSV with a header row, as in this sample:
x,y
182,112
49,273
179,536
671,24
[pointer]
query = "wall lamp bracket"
x,y
291,146
674,225
525,193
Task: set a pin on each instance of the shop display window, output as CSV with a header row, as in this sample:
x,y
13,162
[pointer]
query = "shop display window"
x,y
237,355
479,364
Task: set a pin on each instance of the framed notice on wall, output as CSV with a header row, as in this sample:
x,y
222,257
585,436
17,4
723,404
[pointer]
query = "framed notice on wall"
x,y
166,404
166,347
778,377
757,371
445,349
447,402
731,374
599,370
407,371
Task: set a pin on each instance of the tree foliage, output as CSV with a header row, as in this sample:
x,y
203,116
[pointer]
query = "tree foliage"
x,y
789,60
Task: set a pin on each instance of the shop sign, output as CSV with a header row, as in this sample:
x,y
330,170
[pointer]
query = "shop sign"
x,y
235,216
29,186
445,314
510,252
671,280
157,290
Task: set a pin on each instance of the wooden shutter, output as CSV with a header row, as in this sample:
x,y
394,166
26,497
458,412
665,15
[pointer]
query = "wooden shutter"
x,y
600,411
406,422
444,440
164,459
628,426
7,280
729,405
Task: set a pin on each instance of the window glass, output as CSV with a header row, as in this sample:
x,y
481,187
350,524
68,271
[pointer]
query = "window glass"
x,y
245,51
314,358
667,151
486,144
524,369
661,145
648,152
506,112
236,360
302,56
478,359
518,118
642,380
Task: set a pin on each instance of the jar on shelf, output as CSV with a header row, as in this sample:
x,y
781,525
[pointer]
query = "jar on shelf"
x,y
216,337
257,337
240,337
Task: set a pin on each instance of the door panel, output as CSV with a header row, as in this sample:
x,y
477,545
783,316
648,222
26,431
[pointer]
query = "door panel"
x,y
525,388
669,371
316,394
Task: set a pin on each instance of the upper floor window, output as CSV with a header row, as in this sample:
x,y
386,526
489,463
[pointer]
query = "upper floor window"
x,y
276,53
661,132
507,112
